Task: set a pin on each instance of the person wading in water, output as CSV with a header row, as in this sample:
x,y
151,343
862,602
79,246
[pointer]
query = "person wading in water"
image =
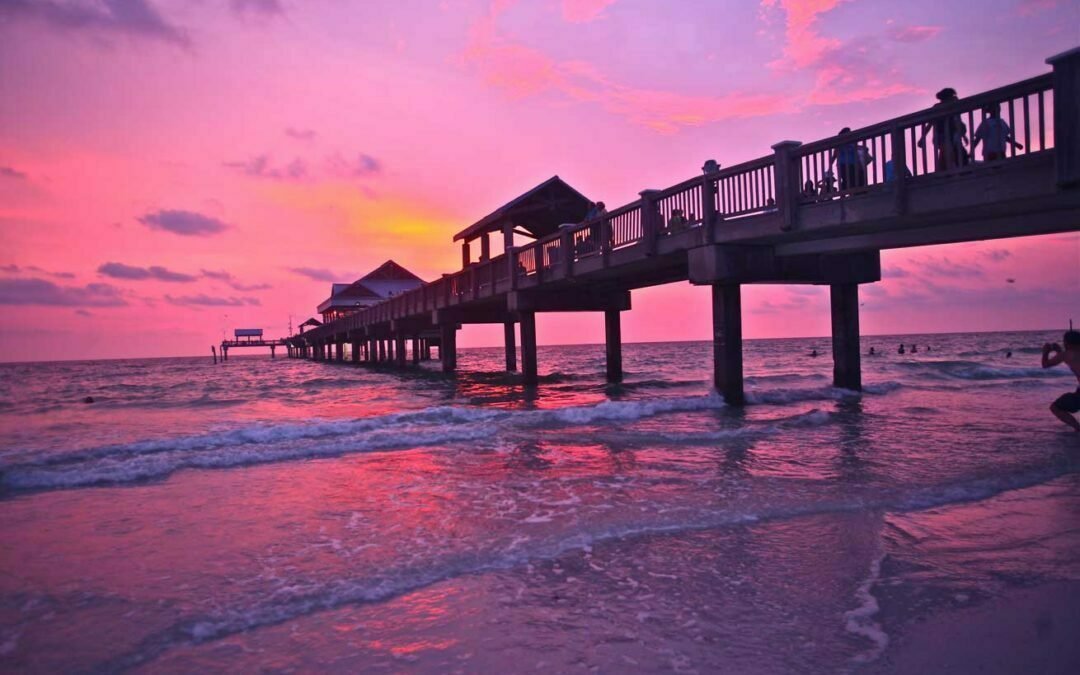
x,y
1067,405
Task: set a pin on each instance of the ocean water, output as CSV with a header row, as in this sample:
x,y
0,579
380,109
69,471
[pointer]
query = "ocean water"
x,y
295,516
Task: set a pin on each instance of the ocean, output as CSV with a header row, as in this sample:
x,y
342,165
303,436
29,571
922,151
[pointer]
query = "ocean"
x,y
290,516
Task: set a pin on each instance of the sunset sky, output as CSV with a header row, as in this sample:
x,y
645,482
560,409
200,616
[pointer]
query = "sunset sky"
x,y
170,169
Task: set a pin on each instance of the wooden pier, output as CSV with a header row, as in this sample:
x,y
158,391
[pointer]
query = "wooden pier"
x,y
778,219
252,337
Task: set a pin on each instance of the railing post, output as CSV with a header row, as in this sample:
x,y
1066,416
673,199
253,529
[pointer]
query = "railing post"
x,y
567,252
538,260
649,217
900,170
708,206
511,264
605,240
474,282
464,254
786,174
1067,116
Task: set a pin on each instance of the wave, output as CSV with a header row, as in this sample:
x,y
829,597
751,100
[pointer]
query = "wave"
x,y
970,370
302,599
266,443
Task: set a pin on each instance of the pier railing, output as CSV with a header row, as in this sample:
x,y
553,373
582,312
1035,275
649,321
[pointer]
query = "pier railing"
x,y
888,155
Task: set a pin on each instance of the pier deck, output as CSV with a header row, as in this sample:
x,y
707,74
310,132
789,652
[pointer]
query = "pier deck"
x,y
755,222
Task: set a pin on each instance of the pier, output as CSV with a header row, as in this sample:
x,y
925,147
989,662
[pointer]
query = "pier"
x,y
252,337
778,219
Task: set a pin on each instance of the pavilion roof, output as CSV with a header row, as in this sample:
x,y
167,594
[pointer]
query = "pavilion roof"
x,y
539,211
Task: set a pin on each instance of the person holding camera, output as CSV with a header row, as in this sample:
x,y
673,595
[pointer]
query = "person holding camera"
x,y
1067,405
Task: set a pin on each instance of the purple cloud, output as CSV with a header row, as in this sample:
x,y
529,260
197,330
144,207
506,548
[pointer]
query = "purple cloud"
x,y
316,274
133,18
264,7
232,281
186,223
121,271
83,312
914,33
301,134
363,165
15,269
9,172
203,300
260,167
46,293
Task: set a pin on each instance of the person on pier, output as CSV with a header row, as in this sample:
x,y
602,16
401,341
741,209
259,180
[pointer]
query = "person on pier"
x,y
950,135
677,222
1067,405
851,159
994,133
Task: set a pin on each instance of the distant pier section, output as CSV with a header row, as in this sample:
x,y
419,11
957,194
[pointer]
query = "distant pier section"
x,y
250,337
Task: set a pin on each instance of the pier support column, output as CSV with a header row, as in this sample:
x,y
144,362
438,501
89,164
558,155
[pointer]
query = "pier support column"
x,y
272,355
416,351
382,350
727,342
355,350
847,366
427,349
528,347
511,346
448,347
613,342
339,351
224,353
399,350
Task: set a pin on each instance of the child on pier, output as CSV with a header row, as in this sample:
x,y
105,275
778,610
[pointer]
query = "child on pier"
x,y
1066,405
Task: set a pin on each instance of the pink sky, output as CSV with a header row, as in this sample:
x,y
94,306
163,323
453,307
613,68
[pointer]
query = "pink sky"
x,y
172,169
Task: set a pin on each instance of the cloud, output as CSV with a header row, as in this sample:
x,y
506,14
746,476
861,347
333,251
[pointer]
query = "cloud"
x,y
186,223
363,165
132,18
1032,7
45,293
232,282
15,269
264,7
582,11
301,134
203,300
260,167
914,33
996,254
121,271
949,269
317,274
83,312
524,72
894,273
9,172
843,72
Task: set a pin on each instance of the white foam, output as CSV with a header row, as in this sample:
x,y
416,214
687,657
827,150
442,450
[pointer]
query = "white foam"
x,y
860,621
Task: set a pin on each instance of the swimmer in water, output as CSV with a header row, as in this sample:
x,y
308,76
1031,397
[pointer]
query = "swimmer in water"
x,y
1067,405
872,352
914,348
813,353
901,350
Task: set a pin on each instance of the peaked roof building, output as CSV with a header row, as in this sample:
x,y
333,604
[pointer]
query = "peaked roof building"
x,y
386,281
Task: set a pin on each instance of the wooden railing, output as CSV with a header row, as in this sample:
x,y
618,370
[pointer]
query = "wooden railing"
x,y
886,153
909,147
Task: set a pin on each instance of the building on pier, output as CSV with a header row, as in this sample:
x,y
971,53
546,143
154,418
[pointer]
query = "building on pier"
x,y
386,281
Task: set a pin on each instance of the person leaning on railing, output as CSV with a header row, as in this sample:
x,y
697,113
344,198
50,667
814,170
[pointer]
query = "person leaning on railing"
x,y
994,133
950,135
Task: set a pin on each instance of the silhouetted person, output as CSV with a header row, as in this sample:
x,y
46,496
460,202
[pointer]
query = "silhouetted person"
x,y
1008,353
827,183
677,222
1066,405
872,352
851,160
927,347
890,171
901,350
994,133
950,135
914,348
809,189
814,353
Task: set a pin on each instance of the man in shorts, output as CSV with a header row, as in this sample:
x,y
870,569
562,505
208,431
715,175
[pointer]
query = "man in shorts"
x,y
1067,405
